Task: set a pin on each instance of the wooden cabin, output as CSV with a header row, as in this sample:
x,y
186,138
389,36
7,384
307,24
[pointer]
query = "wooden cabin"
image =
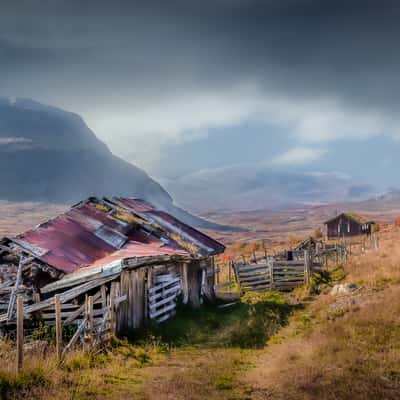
x,y
119,248
348,224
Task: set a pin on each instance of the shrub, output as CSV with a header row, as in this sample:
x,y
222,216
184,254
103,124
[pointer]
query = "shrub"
x,y
11,384
318,234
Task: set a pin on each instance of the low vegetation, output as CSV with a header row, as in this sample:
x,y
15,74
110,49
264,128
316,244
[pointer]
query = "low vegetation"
x,y
340,347
306,344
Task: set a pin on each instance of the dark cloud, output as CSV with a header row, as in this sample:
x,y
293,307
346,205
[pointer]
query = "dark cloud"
x,y
304,47
98,55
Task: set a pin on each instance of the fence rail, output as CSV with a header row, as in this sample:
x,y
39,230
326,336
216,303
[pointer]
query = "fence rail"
x,y
274,274
94,320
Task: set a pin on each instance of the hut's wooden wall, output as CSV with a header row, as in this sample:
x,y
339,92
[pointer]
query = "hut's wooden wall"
x,y
196,276
131,312
344,222
194,283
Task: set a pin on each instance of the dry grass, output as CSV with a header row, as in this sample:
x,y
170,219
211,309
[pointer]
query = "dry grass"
x,y
351,354
18,217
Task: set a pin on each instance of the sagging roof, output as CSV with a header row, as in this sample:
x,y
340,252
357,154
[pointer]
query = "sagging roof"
x,y
306,243
355,217
98,231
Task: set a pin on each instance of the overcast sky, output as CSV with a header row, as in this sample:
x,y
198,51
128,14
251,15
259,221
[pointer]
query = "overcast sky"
x,y
178,86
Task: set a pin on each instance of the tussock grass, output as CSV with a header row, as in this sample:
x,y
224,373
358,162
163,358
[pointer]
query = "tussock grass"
x,y
355,355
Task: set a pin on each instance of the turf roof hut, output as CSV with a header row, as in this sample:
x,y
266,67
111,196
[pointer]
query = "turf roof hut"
x,y
348,224
145,254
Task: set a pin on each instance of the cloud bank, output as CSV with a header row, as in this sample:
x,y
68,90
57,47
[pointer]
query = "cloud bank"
x,y
149,76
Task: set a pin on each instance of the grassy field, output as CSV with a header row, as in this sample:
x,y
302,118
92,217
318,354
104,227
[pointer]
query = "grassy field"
x,y
307,344
196,355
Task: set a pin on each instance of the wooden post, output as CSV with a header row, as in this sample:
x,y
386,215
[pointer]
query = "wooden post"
x,y
235,272
103,291
271,276
213,271
112,307
14,293
89,316
265,251
185,287
57,309
336,253
307,267
20,332
194,286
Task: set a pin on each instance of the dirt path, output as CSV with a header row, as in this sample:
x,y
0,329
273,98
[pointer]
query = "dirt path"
x,y
197,374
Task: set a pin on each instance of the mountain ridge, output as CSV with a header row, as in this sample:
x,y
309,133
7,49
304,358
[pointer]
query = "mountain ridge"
x,y
51,155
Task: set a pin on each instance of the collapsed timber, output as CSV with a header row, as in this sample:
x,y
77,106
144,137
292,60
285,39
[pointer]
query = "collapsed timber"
x,y
106,266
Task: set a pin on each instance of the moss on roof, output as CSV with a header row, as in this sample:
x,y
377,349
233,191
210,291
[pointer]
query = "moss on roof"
x,y
356,217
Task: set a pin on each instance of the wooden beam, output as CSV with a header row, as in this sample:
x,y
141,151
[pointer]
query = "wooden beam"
x,y
20,332
57,308
11,304
74,338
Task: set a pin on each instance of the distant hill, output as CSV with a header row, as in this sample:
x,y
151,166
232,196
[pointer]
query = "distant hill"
x,y
48,154
261,187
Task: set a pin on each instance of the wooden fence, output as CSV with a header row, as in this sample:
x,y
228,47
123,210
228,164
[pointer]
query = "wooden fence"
x,y
275,274
94,320
163,296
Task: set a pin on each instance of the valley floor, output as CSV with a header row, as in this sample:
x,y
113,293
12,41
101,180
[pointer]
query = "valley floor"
x,y
271,346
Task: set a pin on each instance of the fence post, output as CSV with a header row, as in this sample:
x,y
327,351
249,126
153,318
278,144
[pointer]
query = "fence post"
x,y
306,267
265,250
103,292
271,276
57,309
336,253
235,273
20,332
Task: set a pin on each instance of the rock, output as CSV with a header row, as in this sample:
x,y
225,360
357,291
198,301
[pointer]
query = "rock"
x,y
344,288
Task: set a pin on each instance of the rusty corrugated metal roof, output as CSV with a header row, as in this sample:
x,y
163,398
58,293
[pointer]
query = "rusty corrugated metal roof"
x,y
206,244
91,233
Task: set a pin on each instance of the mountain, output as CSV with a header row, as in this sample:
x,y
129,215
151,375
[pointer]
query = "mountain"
x,y
48,154
261,187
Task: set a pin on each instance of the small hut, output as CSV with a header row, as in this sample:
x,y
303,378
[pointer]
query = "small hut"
x,y
348,224
121,247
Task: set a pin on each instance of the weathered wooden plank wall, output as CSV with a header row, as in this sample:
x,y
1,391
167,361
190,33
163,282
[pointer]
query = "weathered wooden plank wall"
x,y
130,314
194,283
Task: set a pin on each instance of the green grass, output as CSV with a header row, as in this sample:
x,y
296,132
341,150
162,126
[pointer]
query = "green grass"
x,y
248,324
12,384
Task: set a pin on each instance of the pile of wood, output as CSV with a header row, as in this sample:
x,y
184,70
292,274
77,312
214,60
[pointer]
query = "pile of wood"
x,y
20,275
